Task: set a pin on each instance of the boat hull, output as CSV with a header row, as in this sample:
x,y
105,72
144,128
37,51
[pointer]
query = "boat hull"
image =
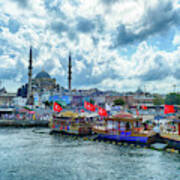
x,y
172,143
118,138
72,131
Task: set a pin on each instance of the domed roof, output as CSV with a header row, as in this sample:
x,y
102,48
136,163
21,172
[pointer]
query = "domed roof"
x,y
42,74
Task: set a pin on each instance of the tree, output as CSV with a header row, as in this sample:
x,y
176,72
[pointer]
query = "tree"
x,y
91,101
172,98
119,102
158,100
48,104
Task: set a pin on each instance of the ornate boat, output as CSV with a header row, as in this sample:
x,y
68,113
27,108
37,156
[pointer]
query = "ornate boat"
x,y
171,134
71,123
127,129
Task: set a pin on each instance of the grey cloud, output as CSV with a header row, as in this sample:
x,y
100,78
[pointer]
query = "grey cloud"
x,y
8,74
12,56
95,40
85,25
124,36
54,7
156,20
1,52
176,72
13,26
12,72
109,2
2,23
85,77
72,35
22,3
160,71
100,23
27,36
59,27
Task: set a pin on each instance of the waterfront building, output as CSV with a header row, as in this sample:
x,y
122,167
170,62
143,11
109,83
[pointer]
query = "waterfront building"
x,y
6,98
20,101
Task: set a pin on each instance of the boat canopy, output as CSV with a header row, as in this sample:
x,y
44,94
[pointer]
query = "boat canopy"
x,y
123,119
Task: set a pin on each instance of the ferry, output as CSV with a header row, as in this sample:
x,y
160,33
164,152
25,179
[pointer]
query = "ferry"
x,y
71,123
124,129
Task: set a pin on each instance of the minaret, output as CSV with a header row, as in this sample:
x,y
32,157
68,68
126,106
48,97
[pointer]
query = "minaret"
x,y
29,93
69,73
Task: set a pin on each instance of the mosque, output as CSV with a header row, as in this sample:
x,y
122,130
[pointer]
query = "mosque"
x,y
43,82
40,84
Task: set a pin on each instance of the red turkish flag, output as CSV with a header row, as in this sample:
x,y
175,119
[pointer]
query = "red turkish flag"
x,y
57,107
89,106
144,107
168,109
102,112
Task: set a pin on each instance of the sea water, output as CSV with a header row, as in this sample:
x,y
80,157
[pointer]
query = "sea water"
x,y
30,154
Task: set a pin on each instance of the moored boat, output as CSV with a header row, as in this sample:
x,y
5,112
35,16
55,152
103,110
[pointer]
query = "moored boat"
x,y
125,129
171,134
71,123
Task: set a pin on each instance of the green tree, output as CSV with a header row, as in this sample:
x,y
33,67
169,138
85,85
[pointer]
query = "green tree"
x,y
158,100
119,102
48,104
91,101
172,98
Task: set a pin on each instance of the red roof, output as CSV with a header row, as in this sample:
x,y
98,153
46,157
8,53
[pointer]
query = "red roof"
x,y
123,114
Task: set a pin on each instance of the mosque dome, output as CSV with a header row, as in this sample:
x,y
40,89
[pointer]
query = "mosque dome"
x,y
42,74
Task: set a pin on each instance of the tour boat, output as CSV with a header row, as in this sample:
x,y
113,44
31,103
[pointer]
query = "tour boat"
x,y
126,128
71,123
170,134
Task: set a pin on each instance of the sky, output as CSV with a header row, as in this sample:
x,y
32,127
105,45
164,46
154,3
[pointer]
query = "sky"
x,y
116,45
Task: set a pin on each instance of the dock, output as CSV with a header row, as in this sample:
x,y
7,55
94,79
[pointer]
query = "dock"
x,y
24,123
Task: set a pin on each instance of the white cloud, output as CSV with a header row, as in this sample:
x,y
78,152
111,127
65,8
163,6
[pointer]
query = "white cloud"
x,y
95,63
176,40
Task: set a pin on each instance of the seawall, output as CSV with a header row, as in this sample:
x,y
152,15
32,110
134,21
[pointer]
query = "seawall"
x,y
24,123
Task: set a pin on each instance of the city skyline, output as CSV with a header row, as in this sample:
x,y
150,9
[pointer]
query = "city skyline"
x,y
115,45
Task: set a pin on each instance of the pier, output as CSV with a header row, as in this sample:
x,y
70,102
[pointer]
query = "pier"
x,y
24,123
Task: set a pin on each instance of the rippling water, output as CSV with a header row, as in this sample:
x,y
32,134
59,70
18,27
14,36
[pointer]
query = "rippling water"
x,y
29,154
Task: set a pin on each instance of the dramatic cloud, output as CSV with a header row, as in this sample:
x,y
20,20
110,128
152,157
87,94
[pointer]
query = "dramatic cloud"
x,y
13,26
108,2
1,52
59,27
159,71
157,18
22,3
13,72
85,25
177,73
115,44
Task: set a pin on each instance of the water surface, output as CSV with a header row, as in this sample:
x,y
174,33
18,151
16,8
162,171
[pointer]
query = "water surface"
x,y
30,154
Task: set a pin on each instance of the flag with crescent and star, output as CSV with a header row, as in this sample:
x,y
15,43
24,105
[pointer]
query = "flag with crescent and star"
x,y
57,107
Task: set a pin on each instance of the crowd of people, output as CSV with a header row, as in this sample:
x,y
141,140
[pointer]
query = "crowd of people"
x,y
26,116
